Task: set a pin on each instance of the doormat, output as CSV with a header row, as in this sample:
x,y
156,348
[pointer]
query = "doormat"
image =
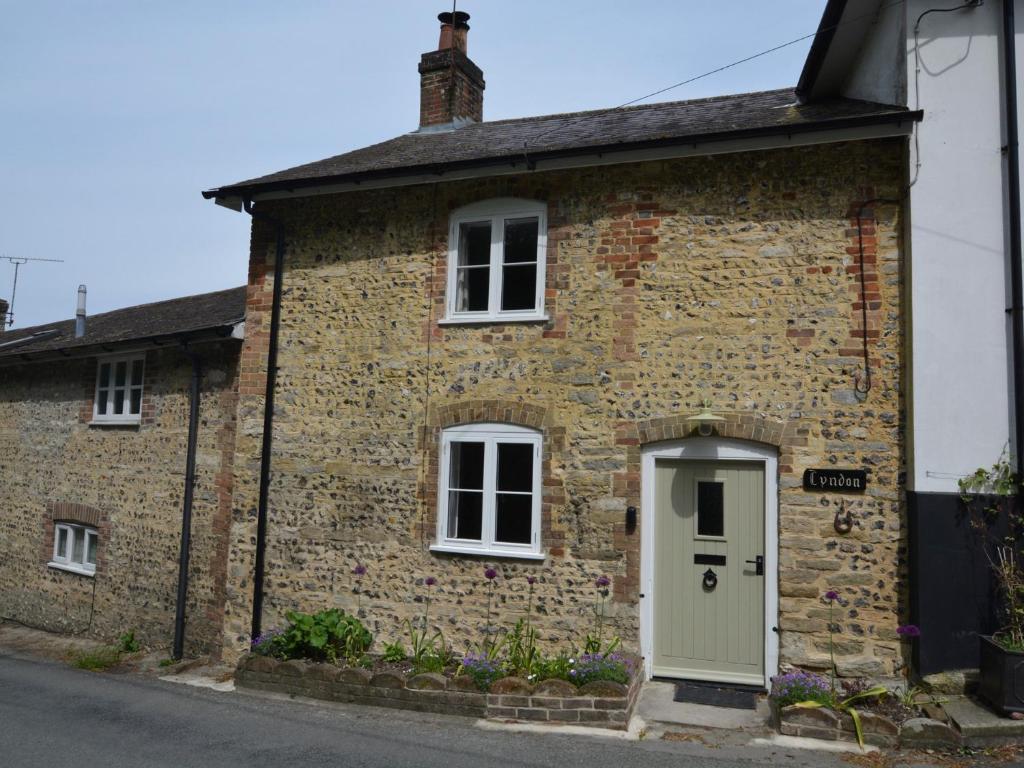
x,y
717,695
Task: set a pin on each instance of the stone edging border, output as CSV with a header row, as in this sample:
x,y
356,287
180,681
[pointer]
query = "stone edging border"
x,y
598,704
879,731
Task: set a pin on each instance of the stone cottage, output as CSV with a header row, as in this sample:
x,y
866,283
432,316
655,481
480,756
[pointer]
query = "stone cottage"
x,y
606,343
95,462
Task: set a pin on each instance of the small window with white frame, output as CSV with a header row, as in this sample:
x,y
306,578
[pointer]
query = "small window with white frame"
x,y
496,261
118,397
74,548
489,497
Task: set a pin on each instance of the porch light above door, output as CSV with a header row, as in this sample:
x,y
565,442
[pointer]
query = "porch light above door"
x,y
705,421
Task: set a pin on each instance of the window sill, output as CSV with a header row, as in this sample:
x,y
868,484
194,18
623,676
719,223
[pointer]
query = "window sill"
x,y
71,568
115,422
493,320
453,549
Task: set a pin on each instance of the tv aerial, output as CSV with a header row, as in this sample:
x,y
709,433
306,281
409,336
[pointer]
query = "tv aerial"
x,y
18,262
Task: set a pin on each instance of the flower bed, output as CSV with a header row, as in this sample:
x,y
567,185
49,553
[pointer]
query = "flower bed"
x,y
599,703
505,676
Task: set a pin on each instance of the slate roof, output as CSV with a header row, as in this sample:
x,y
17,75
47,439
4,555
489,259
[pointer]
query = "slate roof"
x,y
190,314
679,122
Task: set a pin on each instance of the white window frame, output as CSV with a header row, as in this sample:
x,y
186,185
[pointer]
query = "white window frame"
x,y
491,435
130,384
496,212
66,562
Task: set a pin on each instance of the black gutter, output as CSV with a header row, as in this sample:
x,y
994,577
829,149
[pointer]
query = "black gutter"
x,y
1014,253
246,191
209,334
186,511
819,47
268,422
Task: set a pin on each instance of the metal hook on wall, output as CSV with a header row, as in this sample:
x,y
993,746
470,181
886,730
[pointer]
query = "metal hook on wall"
x,y
843,522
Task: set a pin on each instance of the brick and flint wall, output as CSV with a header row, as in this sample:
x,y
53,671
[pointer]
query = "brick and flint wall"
x,y
732,278
128,483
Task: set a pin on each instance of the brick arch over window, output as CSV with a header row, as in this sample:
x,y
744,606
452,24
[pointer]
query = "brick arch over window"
x,y
73,512
784,435
519,414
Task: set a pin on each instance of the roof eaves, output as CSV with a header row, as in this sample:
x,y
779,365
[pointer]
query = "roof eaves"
x,y
247,191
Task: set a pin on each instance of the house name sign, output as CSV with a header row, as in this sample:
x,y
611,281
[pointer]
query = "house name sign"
x,y
835,480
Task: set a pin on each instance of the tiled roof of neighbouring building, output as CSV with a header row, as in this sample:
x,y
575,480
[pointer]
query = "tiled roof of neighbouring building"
x,y
161,319
679,122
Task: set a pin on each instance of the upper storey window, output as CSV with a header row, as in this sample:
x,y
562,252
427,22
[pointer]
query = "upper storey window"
x,y
496,261
118,397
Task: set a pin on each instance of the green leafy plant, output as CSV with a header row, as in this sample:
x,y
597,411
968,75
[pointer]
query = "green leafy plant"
x,y
846,705
394,652
127,643
521,649
98,659
325,636
168,662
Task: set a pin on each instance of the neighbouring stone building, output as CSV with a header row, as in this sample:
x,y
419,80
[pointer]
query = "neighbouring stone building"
x,y
494,339
93,448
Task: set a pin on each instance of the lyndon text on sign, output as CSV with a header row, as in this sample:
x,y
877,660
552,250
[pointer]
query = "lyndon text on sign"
x,y
835,480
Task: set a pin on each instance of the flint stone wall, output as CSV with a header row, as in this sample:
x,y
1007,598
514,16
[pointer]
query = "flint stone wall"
x,y
126,481
733,278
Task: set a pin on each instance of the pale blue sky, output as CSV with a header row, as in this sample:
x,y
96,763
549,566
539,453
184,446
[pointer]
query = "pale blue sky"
x,y
115,114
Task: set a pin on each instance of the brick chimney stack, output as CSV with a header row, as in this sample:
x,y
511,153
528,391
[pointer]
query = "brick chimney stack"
x,y
451,86
4,307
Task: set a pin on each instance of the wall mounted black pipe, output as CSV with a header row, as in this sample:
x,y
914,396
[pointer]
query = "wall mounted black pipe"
x,y
186,511
1014,253
268,422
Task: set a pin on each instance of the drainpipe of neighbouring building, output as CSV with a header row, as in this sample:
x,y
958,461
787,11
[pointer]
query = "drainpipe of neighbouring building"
x,y
186,511
1014,254
268,422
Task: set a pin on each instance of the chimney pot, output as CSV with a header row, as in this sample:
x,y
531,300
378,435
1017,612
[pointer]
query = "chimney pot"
x,y
80,313
453,31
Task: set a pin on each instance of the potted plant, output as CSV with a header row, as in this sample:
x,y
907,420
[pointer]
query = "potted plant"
x,y
1001,673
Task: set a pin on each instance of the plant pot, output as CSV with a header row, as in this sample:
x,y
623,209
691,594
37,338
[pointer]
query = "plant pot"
x,y
1001,677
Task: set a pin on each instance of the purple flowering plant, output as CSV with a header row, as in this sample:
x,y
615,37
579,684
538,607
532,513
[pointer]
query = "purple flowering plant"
x,y
264,643
798,686
482,668
908,631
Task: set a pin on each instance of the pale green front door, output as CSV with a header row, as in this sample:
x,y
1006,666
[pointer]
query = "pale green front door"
x,y
708,592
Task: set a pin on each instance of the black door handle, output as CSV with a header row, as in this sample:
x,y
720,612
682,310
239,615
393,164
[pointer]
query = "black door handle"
x,y
758,563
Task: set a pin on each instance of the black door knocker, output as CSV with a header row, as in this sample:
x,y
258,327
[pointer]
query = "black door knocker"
x,y
710,579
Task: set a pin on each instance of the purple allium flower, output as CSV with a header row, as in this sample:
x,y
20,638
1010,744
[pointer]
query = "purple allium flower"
x,y
531,580
908,630
430,581
359,570
491,574
831,595
602,582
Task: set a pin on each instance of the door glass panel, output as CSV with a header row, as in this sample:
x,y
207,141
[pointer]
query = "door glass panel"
x,y
710,508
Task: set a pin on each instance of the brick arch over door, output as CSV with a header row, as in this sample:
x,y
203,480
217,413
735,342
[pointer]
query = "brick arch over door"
x,y
536,417
633,435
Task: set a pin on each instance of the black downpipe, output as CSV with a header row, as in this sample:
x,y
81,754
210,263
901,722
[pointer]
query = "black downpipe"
x,y
1014,255
268,424
186,512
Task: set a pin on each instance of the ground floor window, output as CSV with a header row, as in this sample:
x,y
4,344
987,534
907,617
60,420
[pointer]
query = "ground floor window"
x,y
74,547
490,490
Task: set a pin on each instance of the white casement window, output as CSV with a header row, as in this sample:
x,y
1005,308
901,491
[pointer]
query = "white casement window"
x,y
74,548
489,497
119,390
496,255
